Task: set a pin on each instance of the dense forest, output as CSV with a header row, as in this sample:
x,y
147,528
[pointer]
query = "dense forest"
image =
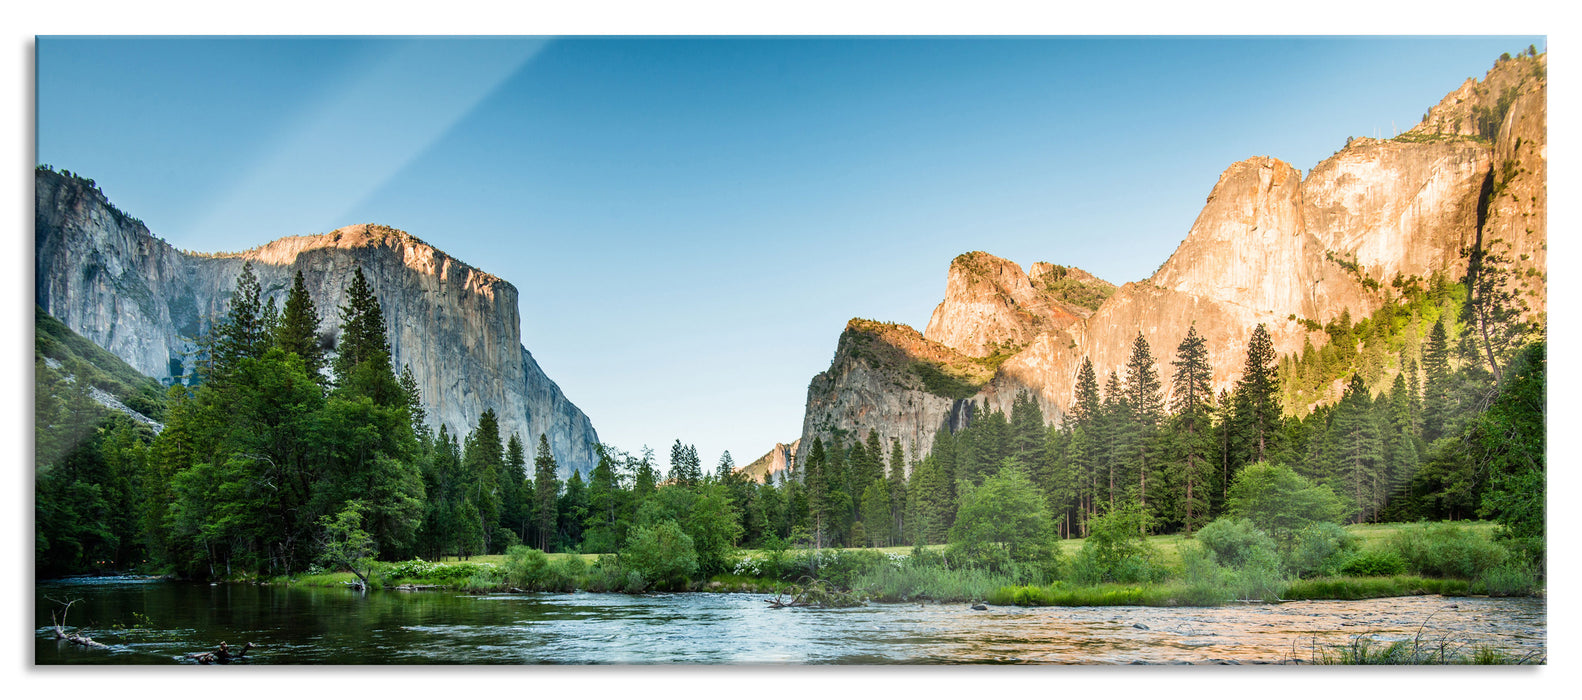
x,y
276,448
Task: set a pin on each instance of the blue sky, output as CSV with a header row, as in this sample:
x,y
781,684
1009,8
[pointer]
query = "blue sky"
x,y
691,222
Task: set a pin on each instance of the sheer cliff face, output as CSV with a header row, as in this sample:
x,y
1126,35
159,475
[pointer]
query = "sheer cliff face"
x,y
991,306
1269,247
457,327
874,384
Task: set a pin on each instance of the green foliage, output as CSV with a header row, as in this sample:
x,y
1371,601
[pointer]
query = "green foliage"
x,y
1371,587
1446,550
91,365
1062,285
1319,550
900,580
663,556
1002,522
345,544
937,380
1235,541
1280,502
1512,578
1509,440
1374,563
1117,549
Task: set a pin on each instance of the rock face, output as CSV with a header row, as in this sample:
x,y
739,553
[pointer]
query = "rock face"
x,y
992,307
106,277
880,380
1269,247
779,459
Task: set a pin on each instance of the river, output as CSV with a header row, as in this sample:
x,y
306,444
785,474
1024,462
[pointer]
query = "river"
x,y
154,622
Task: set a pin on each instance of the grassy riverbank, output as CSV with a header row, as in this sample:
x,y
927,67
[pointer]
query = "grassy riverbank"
x,y
903,574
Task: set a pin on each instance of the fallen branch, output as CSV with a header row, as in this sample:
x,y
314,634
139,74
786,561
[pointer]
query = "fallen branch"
x,y
73,637
813,593
222,655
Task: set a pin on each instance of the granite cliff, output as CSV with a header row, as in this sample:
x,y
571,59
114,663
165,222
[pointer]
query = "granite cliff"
x,y
1269,247
106,277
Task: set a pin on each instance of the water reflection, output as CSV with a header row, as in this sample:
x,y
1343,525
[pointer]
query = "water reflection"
x,y
157,623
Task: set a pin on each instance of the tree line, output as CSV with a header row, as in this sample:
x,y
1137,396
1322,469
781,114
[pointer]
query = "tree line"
x,y
275,441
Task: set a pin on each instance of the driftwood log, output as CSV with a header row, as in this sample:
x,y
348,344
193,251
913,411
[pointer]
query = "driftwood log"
x,y
221,655
73,637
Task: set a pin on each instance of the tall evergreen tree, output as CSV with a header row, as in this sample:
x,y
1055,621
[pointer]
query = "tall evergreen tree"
x,y
1111,429
684,467
516,509
412,399
1437,385
1145,406
815,480
362,362
243,333
897,489
1357,450
1191,443
299,328
484,465
1257,405
546,489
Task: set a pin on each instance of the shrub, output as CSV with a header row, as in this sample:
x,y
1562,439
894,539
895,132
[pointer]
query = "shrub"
x,y
1508,579
1374,563
661,555
526,567
1281,502
1320,550
1117,549
1001,522
1446,549
1234,541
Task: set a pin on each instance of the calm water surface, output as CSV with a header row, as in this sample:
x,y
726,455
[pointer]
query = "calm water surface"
x,y
152,622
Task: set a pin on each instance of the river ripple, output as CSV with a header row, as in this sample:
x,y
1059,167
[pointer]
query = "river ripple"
x,y
157,623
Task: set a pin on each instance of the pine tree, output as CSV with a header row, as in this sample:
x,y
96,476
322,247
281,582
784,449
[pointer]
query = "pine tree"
x,y
816,482
1087,411
546,490
1493,312
1193,393
1358,449
484,466
726,469
876,512
362,363
299,328
412,398
685,469
243,332
1027,430
1437,384
1111,430
897,489
1145,406
604,496
1257,408
516,509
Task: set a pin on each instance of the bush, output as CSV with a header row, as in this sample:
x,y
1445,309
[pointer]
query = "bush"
x,y
1281,502
1374,563
1001,522
1320,550
1446,549
662,556
1234,541
1117,549
1508,579
525,567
